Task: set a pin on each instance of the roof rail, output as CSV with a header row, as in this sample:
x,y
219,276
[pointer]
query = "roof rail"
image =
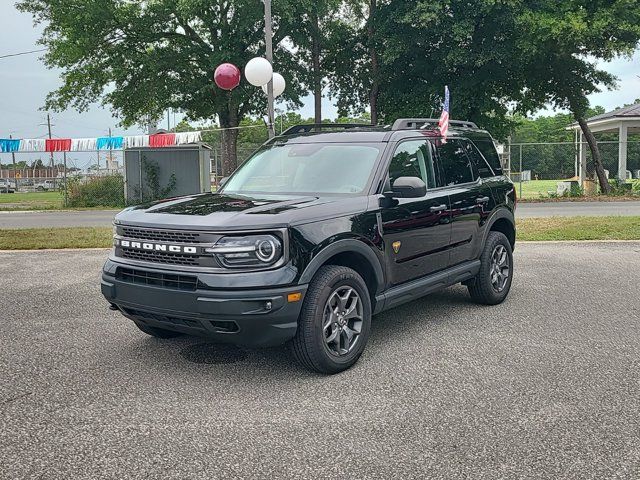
x,y
310,127
417,123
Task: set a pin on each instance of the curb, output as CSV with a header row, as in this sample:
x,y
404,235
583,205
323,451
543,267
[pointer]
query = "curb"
x,y
53,250
575,241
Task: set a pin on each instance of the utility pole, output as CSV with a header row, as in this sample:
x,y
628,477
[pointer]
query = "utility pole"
x,y
15,171
168,120
64,159
110,161
269,51
49,126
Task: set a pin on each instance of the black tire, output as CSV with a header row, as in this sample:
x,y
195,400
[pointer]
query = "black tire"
x,y
157,332
482,288
312,346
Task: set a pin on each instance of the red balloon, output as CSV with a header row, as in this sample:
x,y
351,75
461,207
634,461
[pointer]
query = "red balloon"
x,y
227,76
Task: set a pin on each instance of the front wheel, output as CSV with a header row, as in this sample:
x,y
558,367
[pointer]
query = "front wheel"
x,y
335,321
493,282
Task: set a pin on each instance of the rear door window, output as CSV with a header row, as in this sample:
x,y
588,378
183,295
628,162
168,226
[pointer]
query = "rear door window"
x,y
480,165
455,162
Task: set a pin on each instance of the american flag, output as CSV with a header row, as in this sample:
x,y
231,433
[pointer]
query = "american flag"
x,y
443,124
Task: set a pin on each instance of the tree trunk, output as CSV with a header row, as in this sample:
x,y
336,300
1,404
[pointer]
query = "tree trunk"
x,y
229,138
229,141
373,57
317,74
595,154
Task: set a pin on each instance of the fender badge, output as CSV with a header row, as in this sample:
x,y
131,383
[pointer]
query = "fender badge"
x,y
396,246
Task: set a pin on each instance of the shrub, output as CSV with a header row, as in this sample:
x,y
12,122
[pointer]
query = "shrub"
x,y
96,192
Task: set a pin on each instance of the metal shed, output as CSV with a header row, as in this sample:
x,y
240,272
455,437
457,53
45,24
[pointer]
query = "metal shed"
x,y
190,164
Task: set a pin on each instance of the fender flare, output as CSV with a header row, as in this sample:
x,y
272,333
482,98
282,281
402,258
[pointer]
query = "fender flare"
x,y
342,246
495,216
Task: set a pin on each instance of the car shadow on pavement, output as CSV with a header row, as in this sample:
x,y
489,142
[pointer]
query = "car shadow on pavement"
x,y
192,355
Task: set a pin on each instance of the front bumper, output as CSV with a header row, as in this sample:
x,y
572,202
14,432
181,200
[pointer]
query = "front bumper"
x,y
252,316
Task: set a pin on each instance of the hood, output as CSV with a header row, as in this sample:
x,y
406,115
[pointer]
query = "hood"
x,y
229,212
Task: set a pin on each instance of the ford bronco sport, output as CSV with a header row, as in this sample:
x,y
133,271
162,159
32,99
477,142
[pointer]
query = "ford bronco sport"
x,y
323,227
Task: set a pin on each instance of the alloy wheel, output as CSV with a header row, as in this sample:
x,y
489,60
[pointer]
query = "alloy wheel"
x,y
342,320
500,268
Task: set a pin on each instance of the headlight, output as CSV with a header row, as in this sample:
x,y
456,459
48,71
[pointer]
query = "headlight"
x,y
249,251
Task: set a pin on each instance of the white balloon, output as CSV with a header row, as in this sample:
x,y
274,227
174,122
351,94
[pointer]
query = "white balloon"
x,y
279,85
258,71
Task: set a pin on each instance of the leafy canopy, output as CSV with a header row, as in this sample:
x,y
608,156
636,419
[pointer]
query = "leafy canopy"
x,y
144,57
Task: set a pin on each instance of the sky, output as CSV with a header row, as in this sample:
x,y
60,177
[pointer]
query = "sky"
x,y
25,82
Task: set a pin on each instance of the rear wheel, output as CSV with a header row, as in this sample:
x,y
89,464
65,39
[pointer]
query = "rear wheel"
x,y
493,282
335,321
156,332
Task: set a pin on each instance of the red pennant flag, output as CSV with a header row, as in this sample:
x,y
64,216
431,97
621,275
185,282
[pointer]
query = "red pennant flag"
x,y
162,140
57,145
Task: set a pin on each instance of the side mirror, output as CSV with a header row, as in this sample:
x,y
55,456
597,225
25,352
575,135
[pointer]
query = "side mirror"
x,y
222,181
407,187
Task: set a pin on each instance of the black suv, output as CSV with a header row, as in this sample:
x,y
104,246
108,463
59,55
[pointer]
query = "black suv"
x,y
321,228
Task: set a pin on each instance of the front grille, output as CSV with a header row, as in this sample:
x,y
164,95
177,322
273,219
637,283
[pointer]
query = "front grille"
x,y
157,279
160,257
168,236
185,322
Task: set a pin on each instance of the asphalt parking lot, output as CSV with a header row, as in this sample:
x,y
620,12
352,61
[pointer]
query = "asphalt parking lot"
x,y
546,385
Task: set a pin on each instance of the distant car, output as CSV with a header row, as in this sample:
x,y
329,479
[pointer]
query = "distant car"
x,y
46,185
7,186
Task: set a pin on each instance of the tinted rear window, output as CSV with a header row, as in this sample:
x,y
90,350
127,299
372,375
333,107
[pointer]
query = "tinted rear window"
x,y
488,150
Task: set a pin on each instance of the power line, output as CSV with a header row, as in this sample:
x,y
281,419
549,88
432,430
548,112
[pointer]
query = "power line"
x,y
23,53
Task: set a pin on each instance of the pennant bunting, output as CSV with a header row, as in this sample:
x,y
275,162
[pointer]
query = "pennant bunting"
x,y
105,143
83,144
162,140
32,145
183,138
58,144
136,141
100,143
9,145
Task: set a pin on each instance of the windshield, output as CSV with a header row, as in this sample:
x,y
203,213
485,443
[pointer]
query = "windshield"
x,y
310,168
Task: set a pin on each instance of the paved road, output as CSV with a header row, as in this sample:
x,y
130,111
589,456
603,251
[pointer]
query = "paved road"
x,y
104,218
545,385
67,218
574,209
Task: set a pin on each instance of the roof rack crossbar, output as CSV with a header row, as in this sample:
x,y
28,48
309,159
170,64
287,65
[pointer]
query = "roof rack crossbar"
x,y
416,123
310,127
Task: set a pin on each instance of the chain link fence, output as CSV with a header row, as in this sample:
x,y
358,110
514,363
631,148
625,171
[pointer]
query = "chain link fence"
x,y
97,179
550,170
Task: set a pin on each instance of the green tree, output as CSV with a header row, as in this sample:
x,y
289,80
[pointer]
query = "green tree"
x,y
144,57
318,25
408,51
560,48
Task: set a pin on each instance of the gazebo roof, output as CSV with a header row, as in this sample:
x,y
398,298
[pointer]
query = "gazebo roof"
x,y
624,112
611,121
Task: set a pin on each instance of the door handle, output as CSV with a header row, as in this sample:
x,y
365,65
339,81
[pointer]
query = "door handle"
x,y
482,200
439,208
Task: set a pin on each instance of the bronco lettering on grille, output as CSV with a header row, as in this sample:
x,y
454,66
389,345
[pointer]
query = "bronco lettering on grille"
x,y
159,247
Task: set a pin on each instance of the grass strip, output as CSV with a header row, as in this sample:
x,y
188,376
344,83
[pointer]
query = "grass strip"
x,y
44,238
579,228
529,229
